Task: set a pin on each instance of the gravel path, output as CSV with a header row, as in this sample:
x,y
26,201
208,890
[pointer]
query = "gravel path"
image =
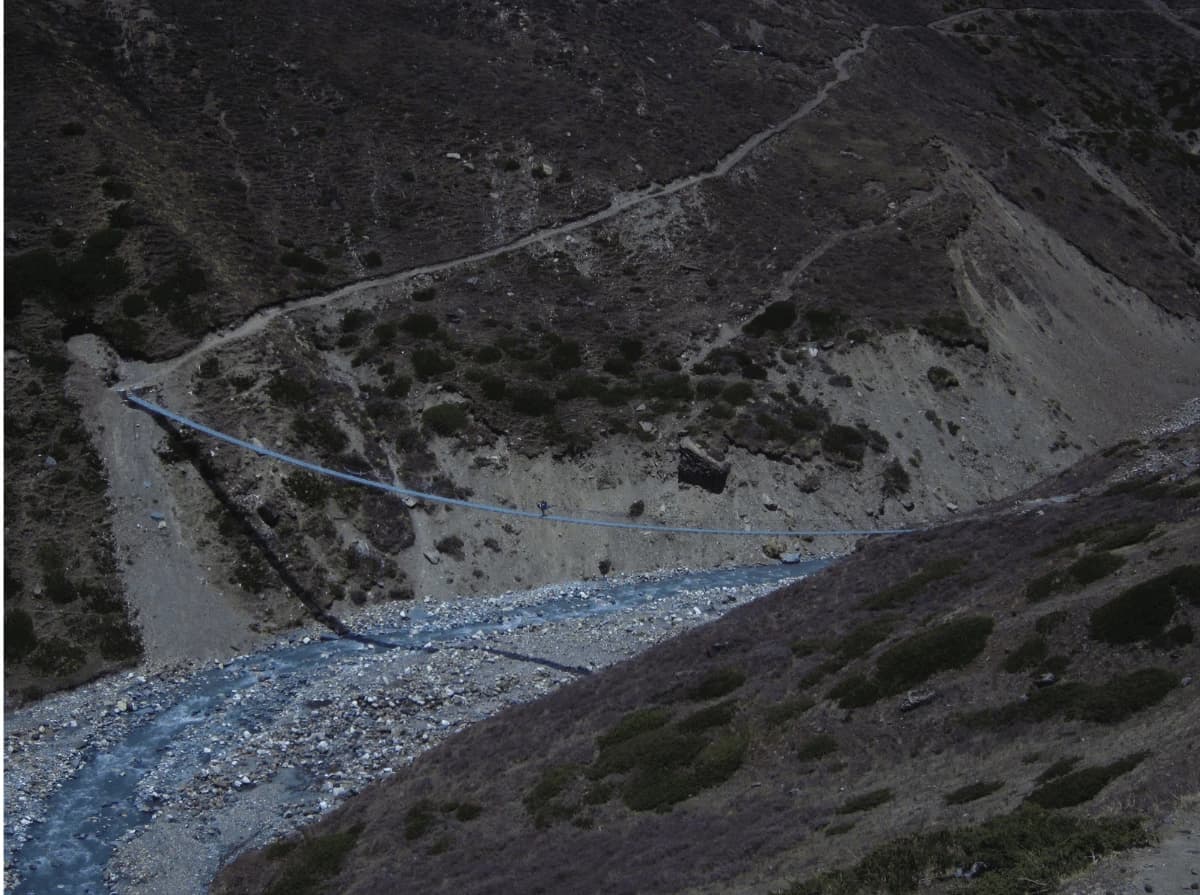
x,y
183,769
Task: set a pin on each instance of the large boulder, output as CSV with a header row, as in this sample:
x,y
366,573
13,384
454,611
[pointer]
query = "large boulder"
x,y
698,467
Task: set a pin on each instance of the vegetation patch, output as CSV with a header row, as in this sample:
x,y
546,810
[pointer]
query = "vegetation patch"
x,y
973,792
1108,703
844,444
1027,844
915,660
1094,566
866,801
1083,785
1140,613
717,684
910,587
445,419
786,710
712,716
816,747
1051,620
1026,656
311,490
1058,768
941,378
632,725
776,317
314,860
544,801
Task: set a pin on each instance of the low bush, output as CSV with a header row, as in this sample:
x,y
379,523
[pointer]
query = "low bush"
x,y
544,800
429,362
419,325
816,747
20,639
951,645
896,480
311,490
1026,656
786,710
1083,785
451,545
1094,566
716,684
866,801
316,859
776,317
712,716
823,323
1140,613
531,400
973,792
855,692
1124,535
910,587
445,419
844,444
1058,768
289,390
1107,703
941,378
1045,586
1051,620
298,259
1028,844
320,432
632,725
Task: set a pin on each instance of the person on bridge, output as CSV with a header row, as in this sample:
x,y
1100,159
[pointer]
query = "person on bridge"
x,y
543,506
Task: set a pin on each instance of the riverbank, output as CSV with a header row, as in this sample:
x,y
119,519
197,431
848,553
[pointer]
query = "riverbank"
x,y
147,783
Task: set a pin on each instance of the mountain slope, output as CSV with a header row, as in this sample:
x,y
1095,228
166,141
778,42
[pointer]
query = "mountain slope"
x,y
884,260
1026,671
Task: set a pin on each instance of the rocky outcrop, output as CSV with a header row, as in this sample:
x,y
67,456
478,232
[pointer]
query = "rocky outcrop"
x,y
698,467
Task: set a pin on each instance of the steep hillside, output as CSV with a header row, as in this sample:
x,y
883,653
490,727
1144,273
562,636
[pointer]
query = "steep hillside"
x,y
1007,697
840,264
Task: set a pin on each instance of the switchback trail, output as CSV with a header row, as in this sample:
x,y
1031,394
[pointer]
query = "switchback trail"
x,y
620,204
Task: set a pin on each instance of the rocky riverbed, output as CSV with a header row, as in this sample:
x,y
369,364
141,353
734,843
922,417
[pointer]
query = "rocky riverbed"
x,y
148,782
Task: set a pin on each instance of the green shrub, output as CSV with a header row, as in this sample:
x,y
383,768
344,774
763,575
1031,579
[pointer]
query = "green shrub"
x,y
355,319
631,349
543,801
844,443
318,858
20,639
816,747
1024,845
866,801
1107,703
972,792
320,432
1124,536
372,259
951,645
910,587
1026,656
860,641
398,388
712,716
1051,620
738,393
419,819
632,725
488,354
311,490
1083,785
298,259
823,323
446,419
941,378
1094,566
531,401
1140,613
451,545
668,387
429,362
288,390
427,293
776,317
855,692
896,480
1058,768
1045,586
493,387
467,811
116,189
952,328
786,710
709,388
419,325
716,684
566,355
618,366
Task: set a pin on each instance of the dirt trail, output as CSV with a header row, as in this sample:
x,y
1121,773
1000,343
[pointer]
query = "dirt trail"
x,y
143,374
182,618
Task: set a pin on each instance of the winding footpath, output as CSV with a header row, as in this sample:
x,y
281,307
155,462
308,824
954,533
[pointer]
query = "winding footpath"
x,y
621,203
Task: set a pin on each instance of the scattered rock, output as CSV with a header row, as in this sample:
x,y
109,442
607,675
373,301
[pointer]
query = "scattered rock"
x,y
1046,680
915,699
